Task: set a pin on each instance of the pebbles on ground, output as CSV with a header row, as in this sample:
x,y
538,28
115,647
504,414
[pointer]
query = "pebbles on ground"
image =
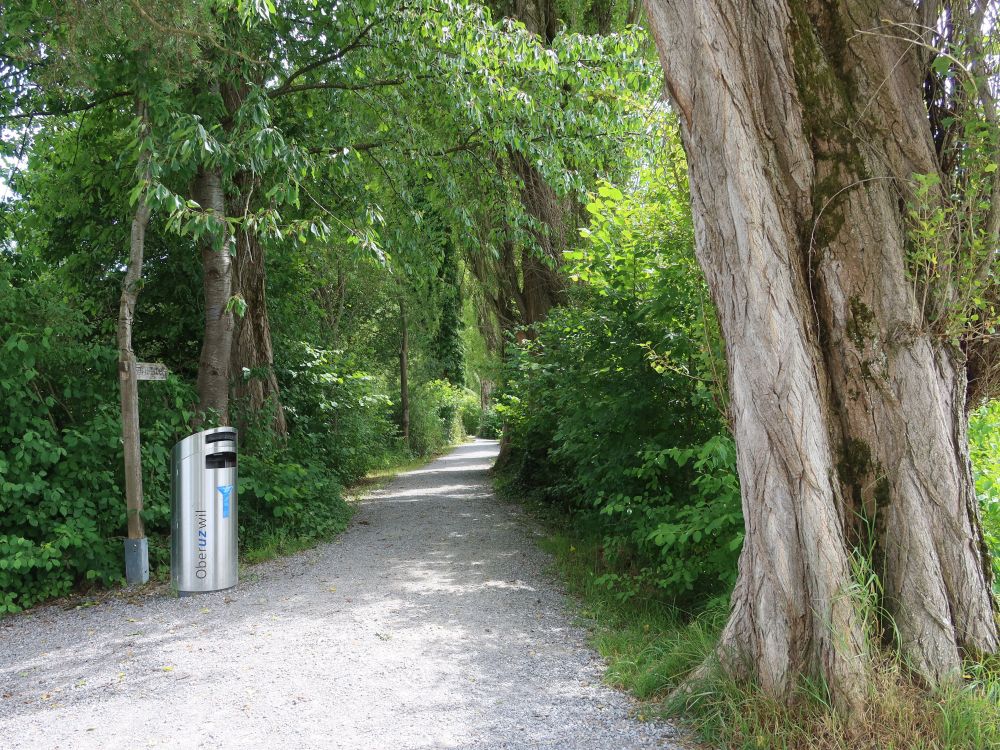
x,y
433,622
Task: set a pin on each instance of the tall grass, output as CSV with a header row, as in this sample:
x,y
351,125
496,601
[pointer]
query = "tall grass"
x,y
652,649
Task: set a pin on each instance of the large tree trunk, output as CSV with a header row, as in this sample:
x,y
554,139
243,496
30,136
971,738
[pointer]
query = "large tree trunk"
x,y
538,286
848,413
252,350
213,367
542,285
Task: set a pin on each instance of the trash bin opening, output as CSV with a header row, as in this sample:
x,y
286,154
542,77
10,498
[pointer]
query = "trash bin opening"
x,y
220,461
218,437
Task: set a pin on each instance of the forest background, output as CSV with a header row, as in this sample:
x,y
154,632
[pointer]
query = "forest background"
x,y
368,232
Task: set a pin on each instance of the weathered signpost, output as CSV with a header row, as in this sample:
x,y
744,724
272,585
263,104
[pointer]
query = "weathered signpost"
x,y
151,371
131,372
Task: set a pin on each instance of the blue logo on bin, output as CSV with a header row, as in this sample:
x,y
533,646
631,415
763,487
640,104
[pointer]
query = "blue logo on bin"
x,y
226,490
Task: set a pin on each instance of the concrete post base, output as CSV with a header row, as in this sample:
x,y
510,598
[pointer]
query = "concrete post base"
x,y
136,561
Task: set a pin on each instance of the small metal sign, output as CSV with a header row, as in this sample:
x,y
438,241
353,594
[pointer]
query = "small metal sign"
x,y
150,371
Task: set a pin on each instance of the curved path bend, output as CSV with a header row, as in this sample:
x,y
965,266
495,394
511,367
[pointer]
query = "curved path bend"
x,y
430,623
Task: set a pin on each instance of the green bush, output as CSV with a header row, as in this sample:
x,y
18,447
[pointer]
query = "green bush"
x,y
984,449
470,411
436,419
611,410
62,509
597,430
338,415
304,500
490,423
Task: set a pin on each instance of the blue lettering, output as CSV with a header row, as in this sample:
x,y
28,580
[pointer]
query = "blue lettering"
x,y
225,490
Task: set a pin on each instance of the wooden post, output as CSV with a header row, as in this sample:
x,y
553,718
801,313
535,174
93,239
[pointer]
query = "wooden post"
x,y
136,550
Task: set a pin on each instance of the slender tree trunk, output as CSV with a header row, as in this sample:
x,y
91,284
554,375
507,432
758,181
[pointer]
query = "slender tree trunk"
x,y
338,316
128,385
404,373
848,413
213,367
252,348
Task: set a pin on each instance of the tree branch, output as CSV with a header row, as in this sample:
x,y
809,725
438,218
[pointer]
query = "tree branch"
x,y
284,90
286,87
67,110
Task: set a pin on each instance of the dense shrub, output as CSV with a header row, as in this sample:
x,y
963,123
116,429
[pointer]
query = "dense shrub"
x,y
302,500
984,448
490,423
339,416
470,411
611,410
595,428
436,416
62,509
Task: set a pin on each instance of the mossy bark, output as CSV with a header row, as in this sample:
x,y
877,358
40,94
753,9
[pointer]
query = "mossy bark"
x,y
802,135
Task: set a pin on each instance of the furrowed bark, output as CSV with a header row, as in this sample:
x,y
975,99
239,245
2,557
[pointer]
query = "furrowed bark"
x,y
848,413
252,349
542,287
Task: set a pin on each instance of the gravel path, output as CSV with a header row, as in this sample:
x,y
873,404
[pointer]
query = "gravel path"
x,y
431,623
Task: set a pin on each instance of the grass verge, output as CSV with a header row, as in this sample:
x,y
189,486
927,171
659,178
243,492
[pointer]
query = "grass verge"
x,y
652,647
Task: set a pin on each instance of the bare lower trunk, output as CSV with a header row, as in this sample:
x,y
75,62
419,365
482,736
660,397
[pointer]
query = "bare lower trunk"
x,y
213,367
128,385
848,413
252,359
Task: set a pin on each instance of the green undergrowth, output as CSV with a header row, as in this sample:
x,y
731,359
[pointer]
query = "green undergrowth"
x,y
652,647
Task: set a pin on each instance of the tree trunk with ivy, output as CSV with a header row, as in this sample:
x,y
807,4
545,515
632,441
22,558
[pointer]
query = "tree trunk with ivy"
x,y
847,405
447,345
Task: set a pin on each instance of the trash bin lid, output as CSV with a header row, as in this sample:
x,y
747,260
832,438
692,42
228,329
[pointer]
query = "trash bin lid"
x,y
194,443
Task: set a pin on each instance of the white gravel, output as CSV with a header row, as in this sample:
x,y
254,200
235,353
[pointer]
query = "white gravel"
x,y
431,623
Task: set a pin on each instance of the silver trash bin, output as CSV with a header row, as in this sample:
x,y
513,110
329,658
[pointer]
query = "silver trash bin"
x,y
203,512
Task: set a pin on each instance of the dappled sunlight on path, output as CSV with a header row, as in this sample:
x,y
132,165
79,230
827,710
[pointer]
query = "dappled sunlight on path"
x,y
429,624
